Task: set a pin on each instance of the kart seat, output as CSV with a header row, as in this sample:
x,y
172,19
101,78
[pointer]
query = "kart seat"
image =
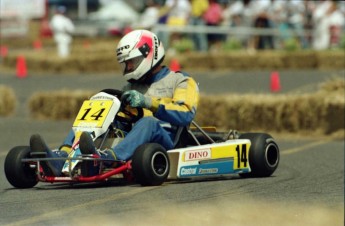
x,y
181,137
185,136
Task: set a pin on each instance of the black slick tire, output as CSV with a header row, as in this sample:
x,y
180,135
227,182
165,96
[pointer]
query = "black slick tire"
x,y
264,155
18,173
150,164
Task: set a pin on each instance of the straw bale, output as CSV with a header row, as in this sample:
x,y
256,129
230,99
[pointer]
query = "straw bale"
x,y
8,101
281,113
102,58
301,59
322,111
197,60
334,106
57,105
335,84
330,59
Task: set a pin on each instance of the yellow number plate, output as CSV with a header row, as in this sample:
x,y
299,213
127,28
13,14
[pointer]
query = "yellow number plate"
x,y
242,154
93,113
239,152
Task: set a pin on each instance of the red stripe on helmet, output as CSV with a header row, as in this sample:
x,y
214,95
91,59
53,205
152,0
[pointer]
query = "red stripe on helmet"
x,y
145,38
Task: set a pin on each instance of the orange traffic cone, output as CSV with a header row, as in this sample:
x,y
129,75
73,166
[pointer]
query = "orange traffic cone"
x,y
3,51
21,67
86,44
175,65
275,82
37,44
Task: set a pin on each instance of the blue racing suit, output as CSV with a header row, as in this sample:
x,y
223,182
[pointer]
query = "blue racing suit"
x,y
175,98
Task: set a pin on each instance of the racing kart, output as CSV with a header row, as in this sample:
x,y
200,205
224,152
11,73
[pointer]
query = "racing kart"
x,y
199,152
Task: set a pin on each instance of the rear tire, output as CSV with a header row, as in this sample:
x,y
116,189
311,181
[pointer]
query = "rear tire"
x,y
150,164
18,173
264,155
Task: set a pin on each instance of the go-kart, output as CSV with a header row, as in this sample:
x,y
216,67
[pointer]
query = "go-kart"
x,y
199,152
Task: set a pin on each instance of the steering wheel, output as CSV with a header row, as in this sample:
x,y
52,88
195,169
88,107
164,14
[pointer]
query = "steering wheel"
x,y
133,117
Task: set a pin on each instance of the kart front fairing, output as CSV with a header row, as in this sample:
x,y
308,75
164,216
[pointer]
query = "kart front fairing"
x,y
96,117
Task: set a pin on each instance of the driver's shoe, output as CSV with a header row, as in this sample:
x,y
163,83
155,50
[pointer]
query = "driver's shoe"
x,y
86,144
39,149
87,147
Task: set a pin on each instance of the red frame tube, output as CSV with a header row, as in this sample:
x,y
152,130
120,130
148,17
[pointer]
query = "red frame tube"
x,y
100,177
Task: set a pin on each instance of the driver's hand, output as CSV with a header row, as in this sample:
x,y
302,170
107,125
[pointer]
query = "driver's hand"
x,y
135,99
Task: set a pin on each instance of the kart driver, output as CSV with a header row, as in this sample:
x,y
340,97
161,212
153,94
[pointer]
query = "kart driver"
x,y
169,100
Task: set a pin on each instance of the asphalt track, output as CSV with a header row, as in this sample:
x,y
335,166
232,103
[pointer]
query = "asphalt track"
x,y
306,189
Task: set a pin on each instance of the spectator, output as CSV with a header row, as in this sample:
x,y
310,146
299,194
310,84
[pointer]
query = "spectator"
x,y
296,19
321,34
179,12
178,15
213,17
150,16
198,8
328,22
62,28
277,12
233,17
247,15
336,24
226,15
262,20
230,11
308,21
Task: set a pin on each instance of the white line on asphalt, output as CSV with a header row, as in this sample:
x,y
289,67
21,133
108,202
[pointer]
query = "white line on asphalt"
x,y
61,212
304,147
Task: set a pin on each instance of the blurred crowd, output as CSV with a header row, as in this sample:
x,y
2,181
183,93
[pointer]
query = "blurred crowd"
x,y
312,24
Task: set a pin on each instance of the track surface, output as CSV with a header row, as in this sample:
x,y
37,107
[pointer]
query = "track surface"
x,y
307,188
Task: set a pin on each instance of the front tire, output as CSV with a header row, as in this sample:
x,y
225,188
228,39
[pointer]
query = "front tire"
x,y
150,164
264,155
18,173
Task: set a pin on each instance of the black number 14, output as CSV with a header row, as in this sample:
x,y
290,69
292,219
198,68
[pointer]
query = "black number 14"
x,y
241,155
95,115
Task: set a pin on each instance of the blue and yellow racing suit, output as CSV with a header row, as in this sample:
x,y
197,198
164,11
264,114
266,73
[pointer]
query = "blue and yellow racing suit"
x,y
175,98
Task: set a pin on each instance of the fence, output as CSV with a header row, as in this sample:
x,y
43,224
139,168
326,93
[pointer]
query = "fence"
x,y
304,35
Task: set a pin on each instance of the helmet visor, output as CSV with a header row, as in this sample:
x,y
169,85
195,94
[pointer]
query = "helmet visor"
x,y
131,65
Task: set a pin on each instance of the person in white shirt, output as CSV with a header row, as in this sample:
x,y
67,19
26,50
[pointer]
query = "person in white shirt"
x,y
328,22
178,15
150,16
62,28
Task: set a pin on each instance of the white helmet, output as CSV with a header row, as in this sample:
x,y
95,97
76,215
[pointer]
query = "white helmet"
x,y
143,49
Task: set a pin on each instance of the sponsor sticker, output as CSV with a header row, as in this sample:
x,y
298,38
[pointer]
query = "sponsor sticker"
x,y
197,154
188,171
217,168
208,171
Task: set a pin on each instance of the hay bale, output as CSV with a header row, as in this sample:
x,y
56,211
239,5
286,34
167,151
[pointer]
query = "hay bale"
x,y
334,113
321,112
8,101
188,60
80,62
231,61
333,85
281,113
330,59
57,105
332,92
102,58
299,60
